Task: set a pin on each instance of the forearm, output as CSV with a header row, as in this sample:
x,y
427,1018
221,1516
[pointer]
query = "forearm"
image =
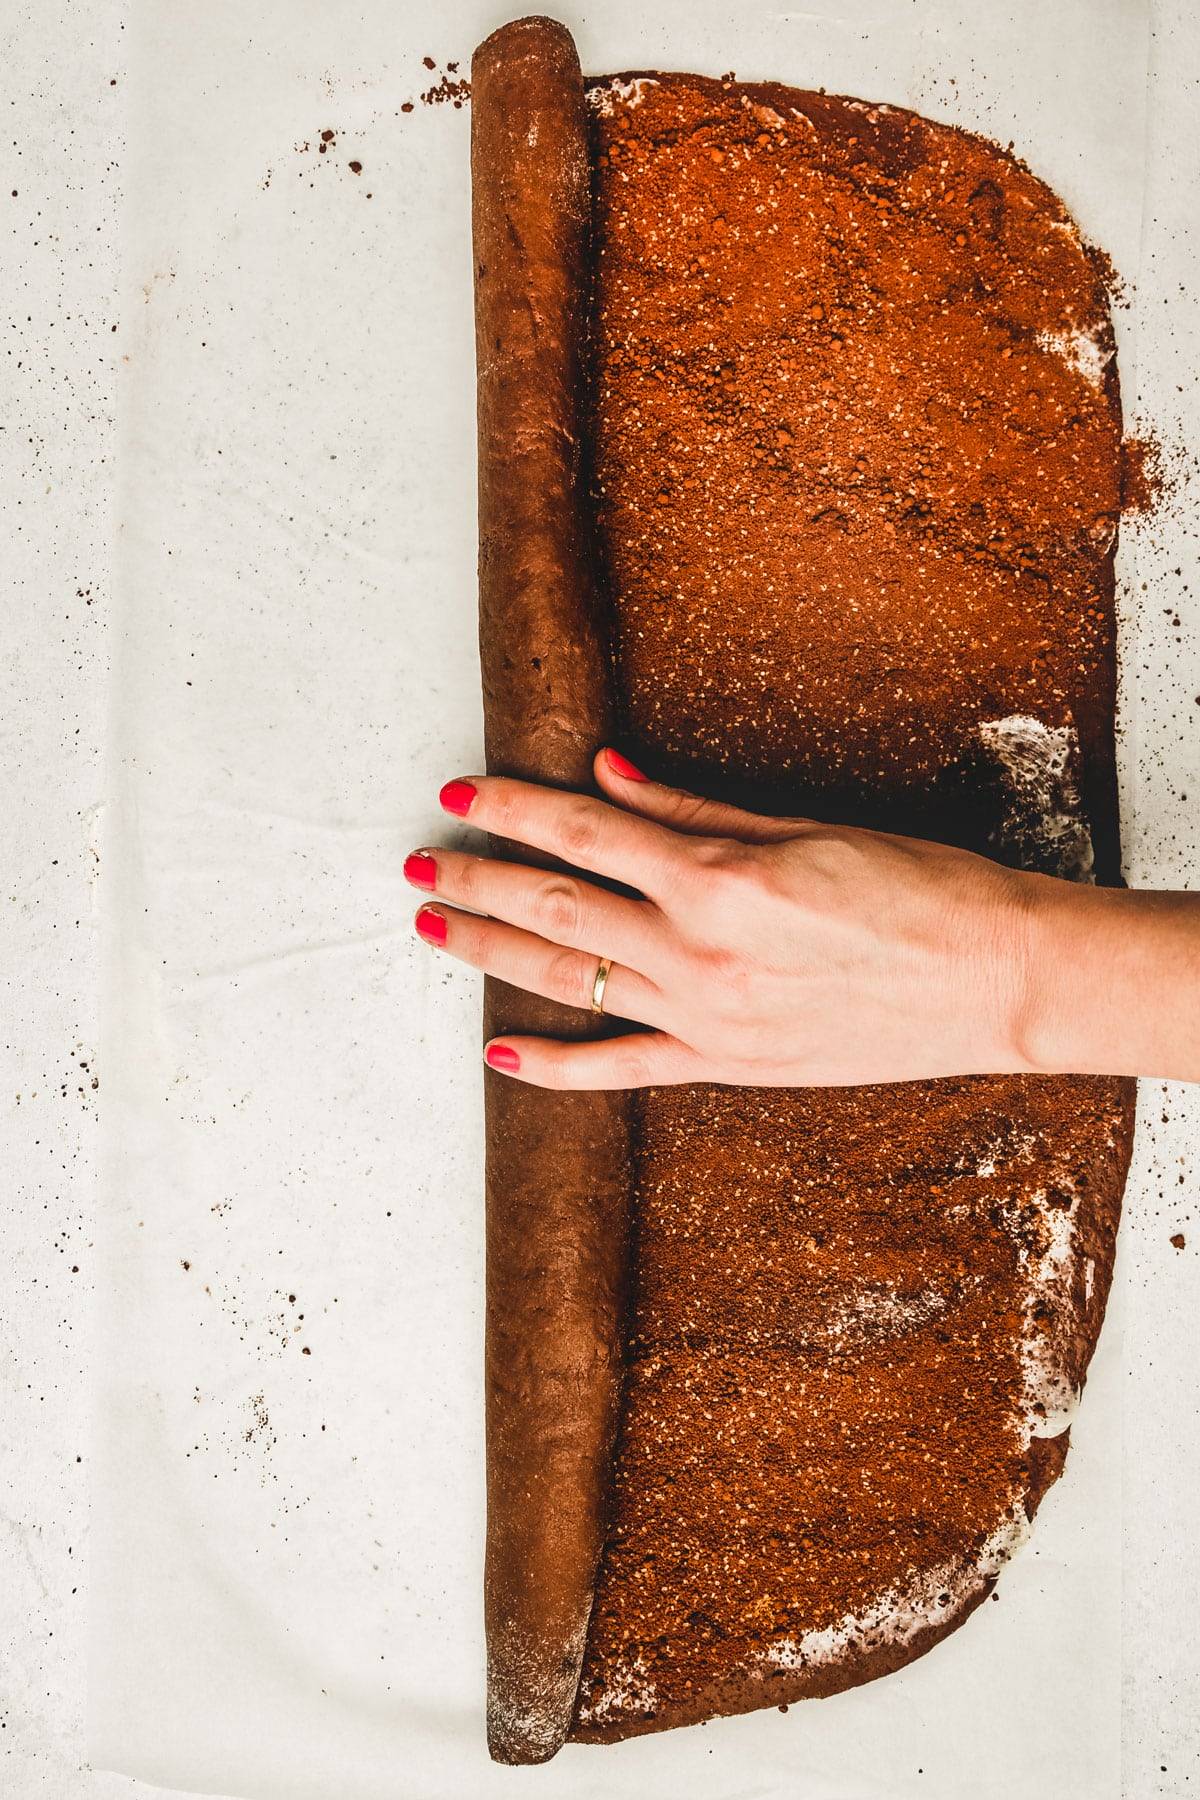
x,y
1113,981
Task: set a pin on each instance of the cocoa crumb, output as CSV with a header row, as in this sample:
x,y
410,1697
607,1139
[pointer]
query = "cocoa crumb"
x,y
1142,474
447,90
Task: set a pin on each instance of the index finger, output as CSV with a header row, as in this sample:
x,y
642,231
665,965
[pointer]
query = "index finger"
x,y
577,829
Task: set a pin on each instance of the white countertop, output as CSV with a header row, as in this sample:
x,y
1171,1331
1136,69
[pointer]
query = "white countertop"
x,y
67,71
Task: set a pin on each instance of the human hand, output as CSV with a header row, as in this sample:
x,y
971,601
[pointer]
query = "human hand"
x,y
759,951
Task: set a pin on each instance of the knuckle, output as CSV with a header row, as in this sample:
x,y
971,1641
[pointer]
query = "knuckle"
x,y
834,853
468,876
552,1069
503,805
558,907
722,856
578,828
688,809
474,938
729,978
725,874
566,979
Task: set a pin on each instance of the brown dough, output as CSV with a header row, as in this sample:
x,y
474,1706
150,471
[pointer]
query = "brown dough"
x,y
824,1392
558,1182
855,431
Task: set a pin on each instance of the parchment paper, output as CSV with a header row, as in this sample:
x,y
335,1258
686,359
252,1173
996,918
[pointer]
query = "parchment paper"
x,y
287,1545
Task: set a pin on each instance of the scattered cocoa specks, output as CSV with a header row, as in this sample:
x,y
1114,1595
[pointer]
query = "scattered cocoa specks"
x,y
260,1421
1143,478
451,87
1179,1240
456,92
1110,277
325,141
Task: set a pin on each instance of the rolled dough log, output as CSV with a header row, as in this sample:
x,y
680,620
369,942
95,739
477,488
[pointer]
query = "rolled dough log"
x,y
558,1179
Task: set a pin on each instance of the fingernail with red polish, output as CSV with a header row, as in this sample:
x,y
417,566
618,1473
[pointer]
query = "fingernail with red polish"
x,y
431,926
458,797
420,869
621,765
502,1056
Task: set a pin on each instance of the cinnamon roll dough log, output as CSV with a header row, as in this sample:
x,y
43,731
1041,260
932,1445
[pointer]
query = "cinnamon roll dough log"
x,y
558,1180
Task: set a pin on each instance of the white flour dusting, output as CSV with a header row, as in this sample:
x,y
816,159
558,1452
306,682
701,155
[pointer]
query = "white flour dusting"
x,y
1081,351
630,93
1044,823
903,1611
1050,1398
627,1688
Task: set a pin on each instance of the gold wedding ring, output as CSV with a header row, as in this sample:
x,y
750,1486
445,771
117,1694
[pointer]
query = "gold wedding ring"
x,y
599,985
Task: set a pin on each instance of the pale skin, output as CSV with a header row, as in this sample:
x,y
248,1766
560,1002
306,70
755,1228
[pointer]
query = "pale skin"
x,y
780,952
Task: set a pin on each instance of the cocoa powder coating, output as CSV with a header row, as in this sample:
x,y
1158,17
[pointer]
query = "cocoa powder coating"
x,y
799,470
856,446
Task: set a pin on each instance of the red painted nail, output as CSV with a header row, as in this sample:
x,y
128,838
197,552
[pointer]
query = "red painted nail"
x,y
621,765
420,869
501,1056
431,925
458,797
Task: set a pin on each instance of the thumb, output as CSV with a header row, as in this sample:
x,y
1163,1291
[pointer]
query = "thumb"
x,y
628,787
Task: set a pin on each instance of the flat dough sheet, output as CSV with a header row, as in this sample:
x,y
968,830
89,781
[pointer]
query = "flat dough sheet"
x,y
287,1546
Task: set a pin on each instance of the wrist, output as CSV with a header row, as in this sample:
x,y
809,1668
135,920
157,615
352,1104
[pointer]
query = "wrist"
x,y
1110,981
1060,925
